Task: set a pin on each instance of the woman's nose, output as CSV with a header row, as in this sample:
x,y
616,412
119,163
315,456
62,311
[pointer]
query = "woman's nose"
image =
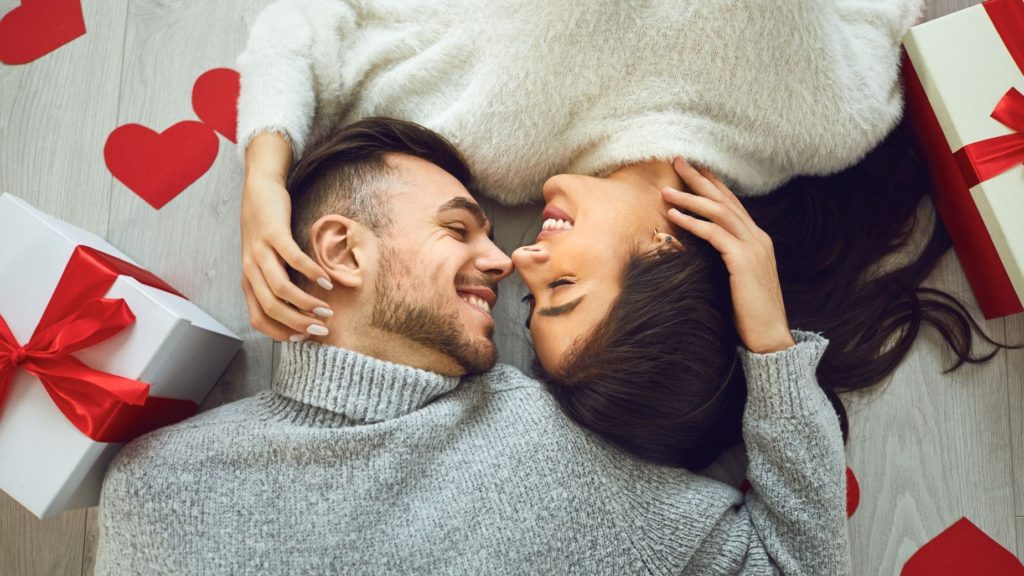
x,y
527,256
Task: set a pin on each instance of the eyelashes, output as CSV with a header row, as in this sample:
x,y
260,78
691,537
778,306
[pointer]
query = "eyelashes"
x,y
528,299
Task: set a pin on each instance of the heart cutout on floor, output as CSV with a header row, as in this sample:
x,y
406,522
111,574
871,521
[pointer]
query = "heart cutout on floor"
x,y
39,27
963,549
159,166
852,492
215,100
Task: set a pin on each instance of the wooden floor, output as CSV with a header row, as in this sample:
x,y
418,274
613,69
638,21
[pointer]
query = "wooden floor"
x,y
927,448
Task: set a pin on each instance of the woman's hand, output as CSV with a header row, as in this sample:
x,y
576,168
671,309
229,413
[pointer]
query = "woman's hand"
x,y
747,250
277,307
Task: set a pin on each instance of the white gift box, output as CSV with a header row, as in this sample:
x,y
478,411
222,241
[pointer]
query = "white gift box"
x,y
962,67
46,463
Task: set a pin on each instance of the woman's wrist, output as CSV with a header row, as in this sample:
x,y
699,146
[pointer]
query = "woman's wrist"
x,y
777,343
268,157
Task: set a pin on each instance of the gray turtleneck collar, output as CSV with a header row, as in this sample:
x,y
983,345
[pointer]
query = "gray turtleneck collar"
x,y
360,387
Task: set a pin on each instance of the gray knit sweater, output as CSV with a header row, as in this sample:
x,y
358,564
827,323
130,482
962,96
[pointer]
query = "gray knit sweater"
x,y
352,465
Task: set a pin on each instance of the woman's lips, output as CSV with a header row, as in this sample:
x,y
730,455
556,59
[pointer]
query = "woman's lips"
x,y
552,212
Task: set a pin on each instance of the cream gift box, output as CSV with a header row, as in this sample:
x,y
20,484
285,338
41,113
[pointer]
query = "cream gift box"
x,y
47,463
963,68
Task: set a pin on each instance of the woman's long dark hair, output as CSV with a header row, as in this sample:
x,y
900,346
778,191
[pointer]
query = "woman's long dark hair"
x,y
659,377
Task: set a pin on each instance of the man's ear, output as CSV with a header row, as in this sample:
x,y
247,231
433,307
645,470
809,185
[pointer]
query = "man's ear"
x,y
340,247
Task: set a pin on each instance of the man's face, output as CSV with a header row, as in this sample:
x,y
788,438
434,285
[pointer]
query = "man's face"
x,y
438,269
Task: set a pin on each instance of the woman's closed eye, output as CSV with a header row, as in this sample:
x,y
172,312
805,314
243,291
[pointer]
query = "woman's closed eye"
x,y
529,299
560,282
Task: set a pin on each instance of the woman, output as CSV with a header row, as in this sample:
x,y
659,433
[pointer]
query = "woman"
x,y
538,90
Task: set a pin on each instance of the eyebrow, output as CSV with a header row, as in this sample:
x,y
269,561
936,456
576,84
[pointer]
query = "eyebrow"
x,y
560,310
474,209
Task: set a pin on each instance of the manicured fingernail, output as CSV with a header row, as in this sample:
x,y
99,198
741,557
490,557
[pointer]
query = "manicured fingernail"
x,y
317,330
324,283
298,337
323,312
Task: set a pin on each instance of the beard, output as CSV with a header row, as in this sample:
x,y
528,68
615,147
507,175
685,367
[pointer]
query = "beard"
x,y
412,307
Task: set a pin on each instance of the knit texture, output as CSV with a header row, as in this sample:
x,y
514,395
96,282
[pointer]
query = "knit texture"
x,y
758,91
351,465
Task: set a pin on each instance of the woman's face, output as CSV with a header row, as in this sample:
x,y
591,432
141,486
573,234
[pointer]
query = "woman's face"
x,y
592,226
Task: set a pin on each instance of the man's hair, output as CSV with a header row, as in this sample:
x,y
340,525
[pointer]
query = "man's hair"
x,y
346,173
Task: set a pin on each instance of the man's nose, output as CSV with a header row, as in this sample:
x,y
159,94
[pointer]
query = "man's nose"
x,y
495,263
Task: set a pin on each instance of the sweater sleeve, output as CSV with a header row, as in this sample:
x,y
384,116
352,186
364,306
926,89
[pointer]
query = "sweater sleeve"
x,y
794,517
288,66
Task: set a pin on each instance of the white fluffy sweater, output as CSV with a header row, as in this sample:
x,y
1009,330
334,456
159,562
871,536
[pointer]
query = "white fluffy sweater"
x,y
760,91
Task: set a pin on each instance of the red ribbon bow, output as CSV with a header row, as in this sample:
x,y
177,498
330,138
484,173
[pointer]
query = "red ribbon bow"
x,y
983,160
105,407
989,158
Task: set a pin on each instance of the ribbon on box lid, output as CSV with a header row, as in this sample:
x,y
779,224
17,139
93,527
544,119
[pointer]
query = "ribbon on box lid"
x,y
989,158
105,407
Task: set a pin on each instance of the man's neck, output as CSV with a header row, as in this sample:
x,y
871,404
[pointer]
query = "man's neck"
x,y
388,346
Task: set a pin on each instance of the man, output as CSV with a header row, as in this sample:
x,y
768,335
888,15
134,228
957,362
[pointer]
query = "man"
x,y
369,455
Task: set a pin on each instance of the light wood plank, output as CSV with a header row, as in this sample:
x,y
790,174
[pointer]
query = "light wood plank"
x,y
938,8
1020,538
29,546
1013,362
930,448
55,114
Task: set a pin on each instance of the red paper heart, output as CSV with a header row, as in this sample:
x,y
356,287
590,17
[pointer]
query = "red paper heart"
x,y
963,550
159,166
852,493
39,27
215,100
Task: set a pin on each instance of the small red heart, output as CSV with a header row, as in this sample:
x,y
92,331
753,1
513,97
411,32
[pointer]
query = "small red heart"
x,y
215,100
852,493
39,27
159,166
963,550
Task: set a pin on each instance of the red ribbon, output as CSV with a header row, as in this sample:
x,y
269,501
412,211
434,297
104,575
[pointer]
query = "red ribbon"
x,y
105,407
986,159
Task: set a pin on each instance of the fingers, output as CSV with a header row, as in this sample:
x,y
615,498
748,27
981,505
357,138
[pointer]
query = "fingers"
x,y
283,288
261,321
717,211
278,310
721,239
286,247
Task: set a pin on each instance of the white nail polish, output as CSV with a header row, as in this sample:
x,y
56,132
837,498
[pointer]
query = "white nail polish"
x,y
317,330
324,283
323,312
298,337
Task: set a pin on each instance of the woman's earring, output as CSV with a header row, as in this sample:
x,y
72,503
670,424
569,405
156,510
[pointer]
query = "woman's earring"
x,y
667,243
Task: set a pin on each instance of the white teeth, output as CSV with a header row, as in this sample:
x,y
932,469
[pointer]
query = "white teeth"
x,y
479,302
555,224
